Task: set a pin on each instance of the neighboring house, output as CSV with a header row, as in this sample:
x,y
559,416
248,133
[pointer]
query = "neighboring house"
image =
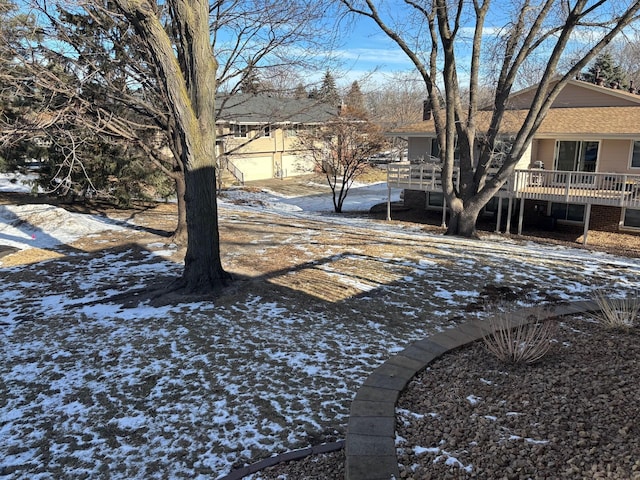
x,y
582,168
257,134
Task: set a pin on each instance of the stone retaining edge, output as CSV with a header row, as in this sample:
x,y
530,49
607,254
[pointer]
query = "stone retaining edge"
x,y
370,449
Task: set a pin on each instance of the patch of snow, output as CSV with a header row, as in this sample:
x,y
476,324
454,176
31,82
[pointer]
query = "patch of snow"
x,y
422,450
16,182
45,226
473,400
216,385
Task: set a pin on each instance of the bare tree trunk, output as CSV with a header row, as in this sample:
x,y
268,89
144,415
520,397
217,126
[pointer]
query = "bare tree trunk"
x,y
203,270
534,29
188,69
463,223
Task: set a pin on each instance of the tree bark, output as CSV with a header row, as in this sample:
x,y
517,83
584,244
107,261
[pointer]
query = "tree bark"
x,y
180,234
532,26
188,70
203,271
463,223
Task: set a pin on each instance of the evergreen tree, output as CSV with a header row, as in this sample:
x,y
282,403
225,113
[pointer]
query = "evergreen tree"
x,y
19,98
604,70
300,92
328,92
355,98
250,82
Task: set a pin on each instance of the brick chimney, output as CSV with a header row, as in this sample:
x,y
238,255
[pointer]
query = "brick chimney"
x,y
426,110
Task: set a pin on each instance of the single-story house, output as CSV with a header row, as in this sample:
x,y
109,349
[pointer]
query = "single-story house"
x,y
257,134
582,168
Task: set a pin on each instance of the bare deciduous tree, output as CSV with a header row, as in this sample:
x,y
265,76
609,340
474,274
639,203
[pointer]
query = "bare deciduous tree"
x,y
432,34
148,72
341,148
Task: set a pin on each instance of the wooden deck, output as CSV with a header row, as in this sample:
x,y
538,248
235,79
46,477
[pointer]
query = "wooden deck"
x,y
613,189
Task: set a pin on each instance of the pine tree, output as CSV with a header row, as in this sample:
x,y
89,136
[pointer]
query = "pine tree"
x,y
251,83
300,92
355,98
328,92
605,71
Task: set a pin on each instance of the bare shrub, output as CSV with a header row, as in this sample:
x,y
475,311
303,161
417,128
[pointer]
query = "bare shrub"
x,y
520,343
616,313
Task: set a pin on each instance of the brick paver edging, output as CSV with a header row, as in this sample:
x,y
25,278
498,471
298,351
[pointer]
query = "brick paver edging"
x,y
370,441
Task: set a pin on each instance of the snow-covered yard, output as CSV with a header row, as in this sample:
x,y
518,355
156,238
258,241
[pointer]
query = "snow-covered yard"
x,y
92,384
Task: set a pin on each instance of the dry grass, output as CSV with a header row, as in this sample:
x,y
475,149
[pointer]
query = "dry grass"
x,y
617,313
519,343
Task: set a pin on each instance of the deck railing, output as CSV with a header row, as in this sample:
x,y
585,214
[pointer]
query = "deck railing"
x,y
615,189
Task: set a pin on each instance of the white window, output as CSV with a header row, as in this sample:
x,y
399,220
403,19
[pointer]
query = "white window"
x,y
266,131
239,131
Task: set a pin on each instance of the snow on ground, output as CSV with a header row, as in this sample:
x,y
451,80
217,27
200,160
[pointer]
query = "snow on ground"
x,y
361,197
90,386
46,226
15,182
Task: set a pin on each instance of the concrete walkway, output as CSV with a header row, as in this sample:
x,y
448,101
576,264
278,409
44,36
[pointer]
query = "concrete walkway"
x,y
370,442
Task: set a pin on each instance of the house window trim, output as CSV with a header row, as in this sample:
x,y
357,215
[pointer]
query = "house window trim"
x,y
631,166
564,221
624,227
580,144
237,130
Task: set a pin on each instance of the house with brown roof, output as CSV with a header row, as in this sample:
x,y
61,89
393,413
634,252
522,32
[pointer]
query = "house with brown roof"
x,y
582,169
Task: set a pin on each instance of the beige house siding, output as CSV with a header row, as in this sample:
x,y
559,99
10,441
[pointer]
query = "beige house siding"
x,y
615,156
525,160
254,167
582,112
296,165
580,94
258,133
545,152
265,157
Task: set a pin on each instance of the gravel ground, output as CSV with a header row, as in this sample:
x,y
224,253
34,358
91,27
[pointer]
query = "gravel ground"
x,y
573,415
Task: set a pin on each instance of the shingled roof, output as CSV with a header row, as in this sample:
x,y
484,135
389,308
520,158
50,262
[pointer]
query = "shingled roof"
x,y
264,109
620,120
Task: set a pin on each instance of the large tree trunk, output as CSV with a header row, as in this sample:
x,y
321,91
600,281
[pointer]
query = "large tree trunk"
x,y
463,224
464,216
188,68
203,270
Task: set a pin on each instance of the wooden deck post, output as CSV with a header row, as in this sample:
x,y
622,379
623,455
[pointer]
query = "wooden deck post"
x,y
509,211
388,202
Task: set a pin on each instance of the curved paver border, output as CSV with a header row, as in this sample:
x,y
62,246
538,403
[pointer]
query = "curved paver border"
x,y
370,441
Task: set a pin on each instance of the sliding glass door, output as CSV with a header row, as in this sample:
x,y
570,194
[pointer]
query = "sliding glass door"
x,y
572,156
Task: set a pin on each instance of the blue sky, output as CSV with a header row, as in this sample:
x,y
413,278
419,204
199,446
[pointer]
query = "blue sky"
x,y
366,50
